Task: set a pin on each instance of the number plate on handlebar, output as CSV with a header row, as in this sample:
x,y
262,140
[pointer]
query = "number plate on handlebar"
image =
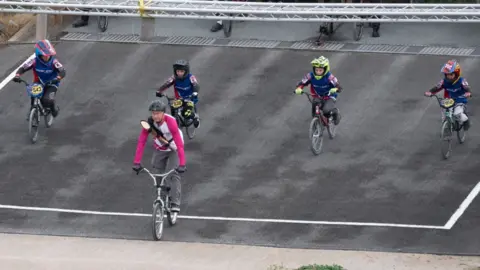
x,y
177,103
35,90
448,102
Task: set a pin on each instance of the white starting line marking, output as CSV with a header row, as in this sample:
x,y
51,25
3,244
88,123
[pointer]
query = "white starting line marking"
x,y
307,222
12,74
461,209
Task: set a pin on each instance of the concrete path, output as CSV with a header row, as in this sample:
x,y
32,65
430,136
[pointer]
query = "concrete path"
x,y
26,252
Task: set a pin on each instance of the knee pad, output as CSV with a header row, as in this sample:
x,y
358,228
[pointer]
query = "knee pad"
x,y
47,102
333,111
459,113
462,117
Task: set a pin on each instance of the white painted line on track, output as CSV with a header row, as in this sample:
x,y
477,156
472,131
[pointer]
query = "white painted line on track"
x,y
11,75
461,209
287,221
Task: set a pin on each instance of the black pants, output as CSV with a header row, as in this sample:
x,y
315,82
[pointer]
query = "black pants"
x,y
327,106
48,98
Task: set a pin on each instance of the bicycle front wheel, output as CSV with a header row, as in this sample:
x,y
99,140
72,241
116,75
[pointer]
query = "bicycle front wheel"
x,y
157,221
33,123
446,138
316,136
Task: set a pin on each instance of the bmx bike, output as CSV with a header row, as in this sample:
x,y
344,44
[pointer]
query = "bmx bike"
x,y
36,91
319,123
162,201
449,126
183,111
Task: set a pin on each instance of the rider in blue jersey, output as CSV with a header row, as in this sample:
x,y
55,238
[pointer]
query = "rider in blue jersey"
x,y
46,70
323,88
185,85
457,88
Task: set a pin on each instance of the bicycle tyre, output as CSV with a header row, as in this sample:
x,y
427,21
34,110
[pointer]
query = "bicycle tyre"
x,y
331,30
33,119
446,136
357,30
172,218
48,119
315,125
460,134
102,23
191,130
158,214
227,28
331,129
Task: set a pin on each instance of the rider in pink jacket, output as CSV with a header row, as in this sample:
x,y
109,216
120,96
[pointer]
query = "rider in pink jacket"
x,y
169,148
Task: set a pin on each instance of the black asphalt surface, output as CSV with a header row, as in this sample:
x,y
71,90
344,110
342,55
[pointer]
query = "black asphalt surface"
x,y
251,155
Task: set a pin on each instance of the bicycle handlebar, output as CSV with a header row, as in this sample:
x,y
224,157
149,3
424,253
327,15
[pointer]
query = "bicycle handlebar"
x,y
23,81
27,84
154,175
310,95
439,99
173,98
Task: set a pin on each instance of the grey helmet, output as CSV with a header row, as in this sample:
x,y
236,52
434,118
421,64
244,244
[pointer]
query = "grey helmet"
x,y
181,65
157,106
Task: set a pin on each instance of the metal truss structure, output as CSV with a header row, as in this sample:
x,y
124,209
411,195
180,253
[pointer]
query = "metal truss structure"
x,y
250,11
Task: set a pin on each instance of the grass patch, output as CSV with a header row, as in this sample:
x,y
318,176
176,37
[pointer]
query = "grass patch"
x,y
11,23
309,267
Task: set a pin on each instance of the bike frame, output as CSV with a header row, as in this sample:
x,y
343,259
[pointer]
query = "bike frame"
x,y
160,187
36,101
319,113
447,113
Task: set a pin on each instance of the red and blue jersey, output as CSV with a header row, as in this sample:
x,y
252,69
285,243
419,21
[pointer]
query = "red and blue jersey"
x,y
454,90
43,72
183,88
320,87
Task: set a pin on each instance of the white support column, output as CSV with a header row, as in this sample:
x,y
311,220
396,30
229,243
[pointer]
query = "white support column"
x,y
41,27
147,30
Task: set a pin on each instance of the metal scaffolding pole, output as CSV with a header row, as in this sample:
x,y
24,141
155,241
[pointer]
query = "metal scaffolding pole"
x,y
41,27
271,12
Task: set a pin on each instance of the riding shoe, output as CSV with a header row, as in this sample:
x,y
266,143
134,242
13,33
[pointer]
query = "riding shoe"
x,y
56,111
175,207
466,125
336,118
196,121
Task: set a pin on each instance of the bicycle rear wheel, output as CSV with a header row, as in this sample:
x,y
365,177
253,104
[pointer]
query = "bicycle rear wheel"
x,y
331,128
172,217
33,123
102,23
357,31
48,119
460,133
190,129
316,136
157,221
446,139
